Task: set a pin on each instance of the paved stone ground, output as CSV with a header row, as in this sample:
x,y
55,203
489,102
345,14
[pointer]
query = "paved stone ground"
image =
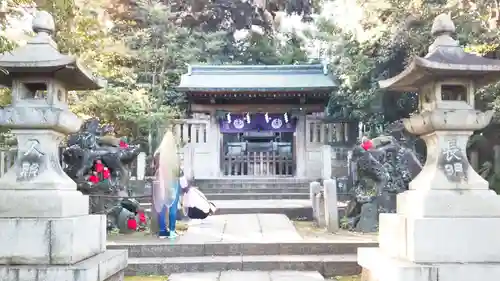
x,y
234,243
241,228
267,204
247,228
293,208
248,276
258,204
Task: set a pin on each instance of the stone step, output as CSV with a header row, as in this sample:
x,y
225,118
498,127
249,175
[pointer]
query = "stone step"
x,y
293,209
248,276
255,196
252,183
255,190
250,179
252,186
165,249
293,213
327,265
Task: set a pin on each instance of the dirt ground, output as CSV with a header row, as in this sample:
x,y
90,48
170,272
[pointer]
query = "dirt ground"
x,y
310,231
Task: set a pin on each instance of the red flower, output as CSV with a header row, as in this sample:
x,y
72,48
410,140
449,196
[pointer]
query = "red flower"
x,y
367,145
132,223
123,144
94,179
142,217
99,167
105,173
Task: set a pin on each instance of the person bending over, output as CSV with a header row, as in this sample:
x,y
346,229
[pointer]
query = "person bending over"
x,y
197,205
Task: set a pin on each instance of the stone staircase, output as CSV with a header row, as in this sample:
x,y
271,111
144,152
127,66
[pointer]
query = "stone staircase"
x,y
328,258
250,238
287,196
246,194
248,243
254,189
236,195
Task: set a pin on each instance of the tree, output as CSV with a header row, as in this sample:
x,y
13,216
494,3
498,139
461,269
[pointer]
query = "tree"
x,y
380,44
142,53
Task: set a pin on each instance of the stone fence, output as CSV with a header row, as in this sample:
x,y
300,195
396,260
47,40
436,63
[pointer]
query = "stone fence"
x,y
8,156
325,204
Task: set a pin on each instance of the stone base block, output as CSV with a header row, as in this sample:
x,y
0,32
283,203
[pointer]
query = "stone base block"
x,y
392,235
107,266
448,203
424,240
16,203
51,241
383,268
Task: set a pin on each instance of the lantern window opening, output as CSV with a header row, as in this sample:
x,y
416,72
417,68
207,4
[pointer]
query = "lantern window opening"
x,y
34,90
453,92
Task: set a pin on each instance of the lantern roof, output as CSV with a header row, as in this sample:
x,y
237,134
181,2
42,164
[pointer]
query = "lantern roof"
x,y
445,59
41,57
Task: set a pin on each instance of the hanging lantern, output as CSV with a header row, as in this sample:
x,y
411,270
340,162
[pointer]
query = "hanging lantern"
x,y
228,117
247,117
266,116
285,117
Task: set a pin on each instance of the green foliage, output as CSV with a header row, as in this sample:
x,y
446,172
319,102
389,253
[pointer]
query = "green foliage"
x,y
382,43
142,51
162,50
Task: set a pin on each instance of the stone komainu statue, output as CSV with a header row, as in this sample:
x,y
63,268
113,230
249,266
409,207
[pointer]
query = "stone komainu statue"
x,y
379,174
93,146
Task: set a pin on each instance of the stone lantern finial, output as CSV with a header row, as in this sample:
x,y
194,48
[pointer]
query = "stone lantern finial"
x,y
443,28
43,22
443,25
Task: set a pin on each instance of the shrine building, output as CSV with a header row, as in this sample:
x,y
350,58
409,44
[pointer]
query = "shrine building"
x,y
261,121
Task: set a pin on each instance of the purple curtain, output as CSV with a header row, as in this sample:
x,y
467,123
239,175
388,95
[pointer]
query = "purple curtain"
x,y
238,123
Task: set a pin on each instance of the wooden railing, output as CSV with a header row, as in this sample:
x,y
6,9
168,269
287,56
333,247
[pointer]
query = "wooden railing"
x,y
258,164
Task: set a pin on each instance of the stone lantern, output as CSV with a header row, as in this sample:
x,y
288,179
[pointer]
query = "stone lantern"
x,y
447,224
46,232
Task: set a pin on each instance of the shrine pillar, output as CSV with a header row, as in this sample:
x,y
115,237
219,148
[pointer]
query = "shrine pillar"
x,y
215,144
300,149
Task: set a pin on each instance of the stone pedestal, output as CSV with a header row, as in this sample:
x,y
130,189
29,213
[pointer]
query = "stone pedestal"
x,y
46,232
447,224
71,248
46,229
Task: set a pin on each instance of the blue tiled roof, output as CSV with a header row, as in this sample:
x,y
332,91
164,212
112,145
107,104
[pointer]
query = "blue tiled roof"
x,y
260,78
